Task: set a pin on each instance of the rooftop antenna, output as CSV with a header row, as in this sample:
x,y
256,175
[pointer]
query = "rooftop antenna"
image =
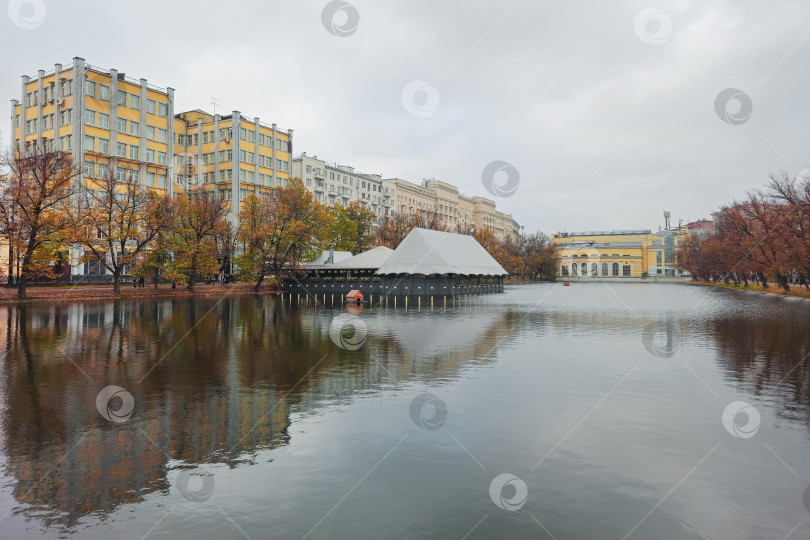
x,y
666,220
214,103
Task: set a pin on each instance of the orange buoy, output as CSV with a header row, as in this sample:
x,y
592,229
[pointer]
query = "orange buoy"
x,y
566,284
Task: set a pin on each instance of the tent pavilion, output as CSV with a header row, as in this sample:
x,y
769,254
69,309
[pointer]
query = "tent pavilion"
x,y
427,262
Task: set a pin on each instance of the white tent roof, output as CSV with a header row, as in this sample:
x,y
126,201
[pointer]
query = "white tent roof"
x,y
321,260
435,252
368,260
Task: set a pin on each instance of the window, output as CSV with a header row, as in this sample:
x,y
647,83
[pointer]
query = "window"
x,y
122,98
242,133
133,152
134,101
161,158
251,177
90,88
104,92
150,155
181,139
121,174
89,143
90,117
122,150
104,146
134,128
102,170
163,109
261,139
616,269
242,155
242,175
594,268
250,157
133,176
251,134
103,120
150,106
574,269
658,257
626,271
604,269
150,133
89,169
242,194
161,135
122,125
66,88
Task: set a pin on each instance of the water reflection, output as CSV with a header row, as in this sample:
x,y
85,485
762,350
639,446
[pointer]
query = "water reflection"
x,y
224,382
213,382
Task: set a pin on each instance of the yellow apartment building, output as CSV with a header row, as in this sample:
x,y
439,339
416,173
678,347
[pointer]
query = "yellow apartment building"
x,y
636,253
111,123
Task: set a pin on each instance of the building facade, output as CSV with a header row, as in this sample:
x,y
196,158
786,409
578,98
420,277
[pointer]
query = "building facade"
x,y
620,254
332,184
340,184
461,213
111,123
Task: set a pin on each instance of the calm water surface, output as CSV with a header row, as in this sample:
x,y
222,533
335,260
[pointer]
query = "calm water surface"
x,y
605,401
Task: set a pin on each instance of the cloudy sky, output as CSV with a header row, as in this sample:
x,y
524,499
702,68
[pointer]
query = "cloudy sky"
x,y
609,111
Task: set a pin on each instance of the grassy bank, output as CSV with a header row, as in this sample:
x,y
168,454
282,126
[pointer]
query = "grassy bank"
x,y
105,292
795,291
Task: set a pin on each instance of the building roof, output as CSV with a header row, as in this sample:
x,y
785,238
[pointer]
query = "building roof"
x,y
368,260
321,260
436,252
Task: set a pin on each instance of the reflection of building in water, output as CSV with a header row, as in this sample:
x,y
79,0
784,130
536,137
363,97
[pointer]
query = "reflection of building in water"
x,y
65,457
222,394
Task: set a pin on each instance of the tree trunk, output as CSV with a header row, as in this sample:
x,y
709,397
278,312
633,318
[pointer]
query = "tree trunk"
x,y
26,262
117,281
192,273
259,282
763,280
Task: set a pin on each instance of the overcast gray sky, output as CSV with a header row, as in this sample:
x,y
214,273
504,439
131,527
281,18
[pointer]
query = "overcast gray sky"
x,y
605,108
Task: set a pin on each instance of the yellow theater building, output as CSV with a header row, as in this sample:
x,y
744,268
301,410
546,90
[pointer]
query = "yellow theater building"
x,y
637,253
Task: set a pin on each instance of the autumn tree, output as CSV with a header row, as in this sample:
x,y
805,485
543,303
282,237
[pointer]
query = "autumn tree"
x,y
392,230
198,219
34,204
116,220
365,220
279,231
343,232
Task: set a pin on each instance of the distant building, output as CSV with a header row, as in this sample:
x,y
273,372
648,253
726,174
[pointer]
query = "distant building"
x,y
700,227
340,184
620,254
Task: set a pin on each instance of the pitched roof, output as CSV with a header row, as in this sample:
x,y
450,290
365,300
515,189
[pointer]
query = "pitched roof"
x,y
436,252
368,260
321,260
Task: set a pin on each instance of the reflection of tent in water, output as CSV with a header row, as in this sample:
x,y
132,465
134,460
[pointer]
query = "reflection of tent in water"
x,y
424,335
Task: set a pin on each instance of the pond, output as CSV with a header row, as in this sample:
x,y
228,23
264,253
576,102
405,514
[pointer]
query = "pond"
x,y
598,410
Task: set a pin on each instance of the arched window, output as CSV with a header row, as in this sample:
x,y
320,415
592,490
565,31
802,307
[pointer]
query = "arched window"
x,y
594,269
616,269
584,269
574,268
565,269
604,269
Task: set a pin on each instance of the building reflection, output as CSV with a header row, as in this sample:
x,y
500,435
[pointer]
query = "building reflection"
x,y
212,381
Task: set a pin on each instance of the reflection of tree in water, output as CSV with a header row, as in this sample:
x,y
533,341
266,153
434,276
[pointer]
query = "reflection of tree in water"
x,y
768,356
213,382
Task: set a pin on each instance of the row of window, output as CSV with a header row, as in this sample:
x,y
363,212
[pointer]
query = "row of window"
x,y
125,99
102,146
607,270
225,134
123,174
